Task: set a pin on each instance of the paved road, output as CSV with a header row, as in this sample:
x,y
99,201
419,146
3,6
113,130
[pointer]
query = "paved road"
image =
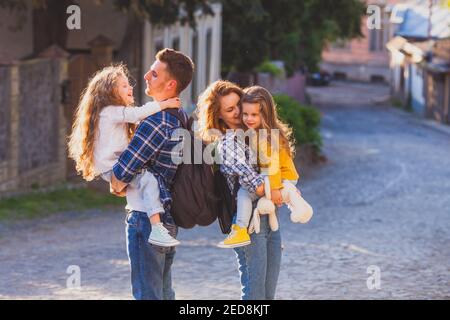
x,y
382,201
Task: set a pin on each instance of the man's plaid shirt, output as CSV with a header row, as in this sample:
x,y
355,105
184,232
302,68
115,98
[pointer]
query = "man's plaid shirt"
x,y
152,148
235,166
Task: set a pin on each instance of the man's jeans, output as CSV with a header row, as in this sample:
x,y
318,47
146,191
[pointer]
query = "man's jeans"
x,y
151,277
259,263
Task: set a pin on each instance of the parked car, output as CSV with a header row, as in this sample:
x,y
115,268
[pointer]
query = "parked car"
x,y
320,78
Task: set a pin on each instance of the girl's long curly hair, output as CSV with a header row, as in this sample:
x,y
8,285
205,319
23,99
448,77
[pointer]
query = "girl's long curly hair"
x,y
269,116
100,93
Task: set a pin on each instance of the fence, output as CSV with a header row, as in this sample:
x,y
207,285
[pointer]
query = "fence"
x,y
32,124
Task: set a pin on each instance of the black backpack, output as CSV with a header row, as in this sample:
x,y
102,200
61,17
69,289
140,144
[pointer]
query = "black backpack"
x,y
200,193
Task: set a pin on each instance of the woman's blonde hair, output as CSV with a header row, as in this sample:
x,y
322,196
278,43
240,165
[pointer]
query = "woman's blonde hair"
x,y
269,116
100,92
208,107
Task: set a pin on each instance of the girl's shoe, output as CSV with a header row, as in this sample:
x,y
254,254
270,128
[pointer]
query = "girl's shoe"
x,y
160,236
238,237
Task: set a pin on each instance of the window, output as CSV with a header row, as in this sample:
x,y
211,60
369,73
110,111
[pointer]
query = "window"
x,y
379,37
337,75
376,78
194,59
159,45
376,40
176,43
208,55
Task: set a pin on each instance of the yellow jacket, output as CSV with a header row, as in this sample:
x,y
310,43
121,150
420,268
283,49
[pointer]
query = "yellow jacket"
x,y
277,164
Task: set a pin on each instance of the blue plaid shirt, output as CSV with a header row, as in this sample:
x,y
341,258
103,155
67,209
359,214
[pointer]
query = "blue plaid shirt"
x,y
152,148
236,165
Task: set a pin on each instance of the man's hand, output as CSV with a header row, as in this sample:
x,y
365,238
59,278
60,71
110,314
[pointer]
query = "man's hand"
x,y
277,199
117,187
260,190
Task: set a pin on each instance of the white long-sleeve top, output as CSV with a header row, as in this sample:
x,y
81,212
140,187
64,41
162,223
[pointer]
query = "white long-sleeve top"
x,y
112,137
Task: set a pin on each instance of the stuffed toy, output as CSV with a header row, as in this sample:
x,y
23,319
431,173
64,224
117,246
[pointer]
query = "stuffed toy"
x,y
301,211
264,206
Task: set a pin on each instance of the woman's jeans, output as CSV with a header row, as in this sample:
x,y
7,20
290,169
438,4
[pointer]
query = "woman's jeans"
x,y
151,277
259,263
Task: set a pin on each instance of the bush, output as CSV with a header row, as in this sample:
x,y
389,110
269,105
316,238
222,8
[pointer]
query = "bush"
x,y
269,67
303,120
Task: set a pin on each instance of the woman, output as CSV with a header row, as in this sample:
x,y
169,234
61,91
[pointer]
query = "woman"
x,y
219,119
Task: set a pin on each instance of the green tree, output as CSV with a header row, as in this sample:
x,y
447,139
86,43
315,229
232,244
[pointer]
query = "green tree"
x,y
165,12
244,36
49,15
289,30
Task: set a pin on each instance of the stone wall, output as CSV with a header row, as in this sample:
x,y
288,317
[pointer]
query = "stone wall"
x,y
5,93
294,86
32,125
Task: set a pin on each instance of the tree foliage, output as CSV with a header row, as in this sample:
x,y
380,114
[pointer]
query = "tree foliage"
x,y
49,15
289,30
165,12
158,12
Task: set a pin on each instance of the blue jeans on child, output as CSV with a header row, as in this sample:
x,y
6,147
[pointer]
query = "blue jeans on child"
x,y
151,277
259,263
245,202
142,193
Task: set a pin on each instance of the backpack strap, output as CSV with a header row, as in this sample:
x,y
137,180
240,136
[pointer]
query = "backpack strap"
x,y
186,123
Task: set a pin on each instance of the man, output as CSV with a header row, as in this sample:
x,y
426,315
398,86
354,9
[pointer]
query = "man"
x,y
152,149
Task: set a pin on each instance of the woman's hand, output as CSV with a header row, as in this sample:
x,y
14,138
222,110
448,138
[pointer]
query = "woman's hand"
x,y
170,103
277,199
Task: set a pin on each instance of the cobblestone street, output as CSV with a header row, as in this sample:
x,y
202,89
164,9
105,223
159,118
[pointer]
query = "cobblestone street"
x,y
382,199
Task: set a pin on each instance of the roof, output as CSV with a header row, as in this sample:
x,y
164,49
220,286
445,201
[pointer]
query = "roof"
x,y
54,51
417,50
101,41
412,19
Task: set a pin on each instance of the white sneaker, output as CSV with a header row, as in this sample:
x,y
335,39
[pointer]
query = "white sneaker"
x,y
160,236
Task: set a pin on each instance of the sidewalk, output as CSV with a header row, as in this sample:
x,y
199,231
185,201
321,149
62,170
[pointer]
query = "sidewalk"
x,y
441,127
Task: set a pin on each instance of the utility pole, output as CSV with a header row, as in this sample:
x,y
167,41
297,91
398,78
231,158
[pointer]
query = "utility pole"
x,y
430,14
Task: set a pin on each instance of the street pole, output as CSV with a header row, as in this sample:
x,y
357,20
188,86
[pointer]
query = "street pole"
x,y
430,3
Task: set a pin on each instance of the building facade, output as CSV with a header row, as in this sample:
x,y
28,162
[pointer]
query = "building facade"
x,y
203,45
32,85
420,58
364,59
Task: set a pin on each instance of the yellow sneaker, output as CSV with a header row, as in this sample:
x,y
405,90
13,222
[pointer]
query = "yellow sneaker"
x,y
238,237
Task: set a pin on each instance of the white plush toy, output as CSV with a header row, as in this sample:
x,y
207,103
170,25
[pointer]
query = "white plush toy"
x,y
301,211
264,206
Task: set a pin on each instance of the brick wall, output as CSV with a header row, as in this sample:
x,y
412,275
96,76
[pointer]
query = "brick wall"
x,y
355,60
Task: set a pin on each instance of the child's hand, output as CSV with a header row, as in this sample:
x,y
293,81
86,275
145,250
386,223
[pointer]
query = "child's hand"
x,y
170,103
277,199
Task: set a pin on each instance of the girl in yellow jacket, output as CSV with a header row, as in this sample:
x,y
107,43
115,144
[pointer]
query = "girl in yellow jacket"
x,y
272,140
